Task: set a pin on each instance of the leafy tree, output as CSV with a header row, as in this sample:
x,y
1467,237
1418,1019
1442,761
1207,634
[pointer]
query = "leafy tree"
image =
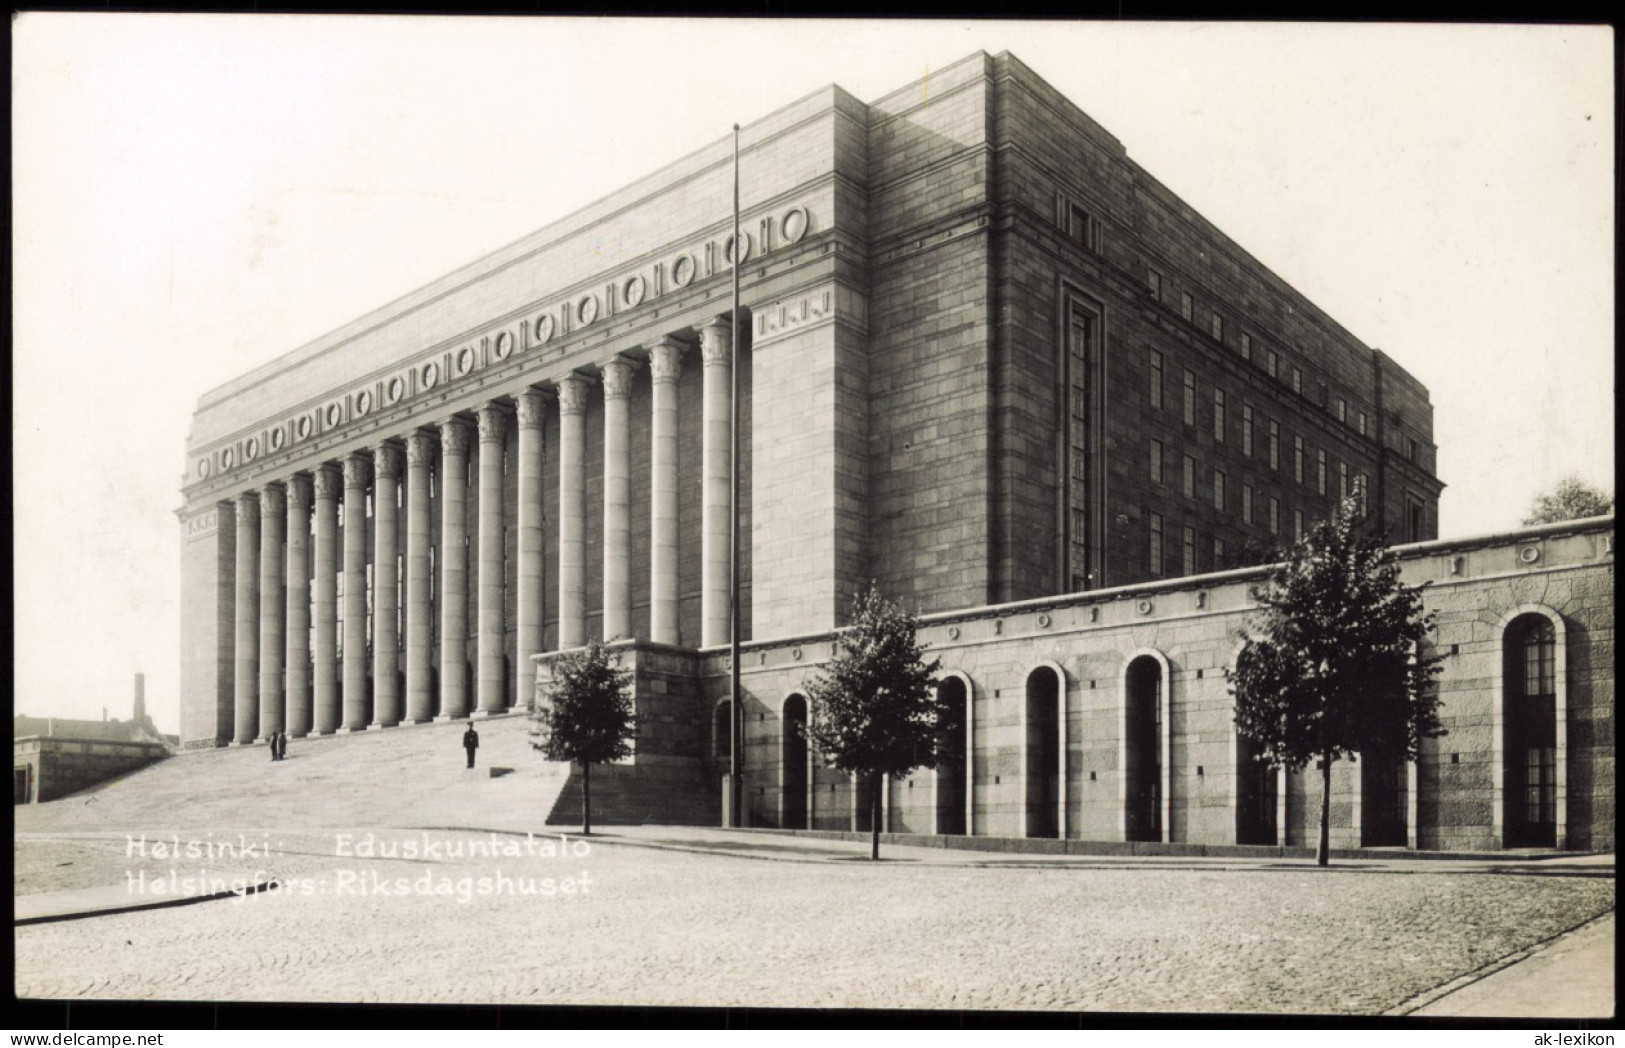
x,y
589,716
1572,499
874,709
1335,669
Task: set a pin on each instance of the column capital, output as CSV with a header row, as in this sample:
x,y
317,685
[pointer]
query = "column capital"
x,y
716,342
329,481
420,447
617,378
355,470
529,405
248,507
386,462
666,360
298,487
454,436
572,395
492,418
272,500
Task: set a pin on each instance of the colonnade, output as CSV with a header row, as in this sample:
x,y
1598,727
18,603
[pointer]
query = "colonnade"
x,y
289,567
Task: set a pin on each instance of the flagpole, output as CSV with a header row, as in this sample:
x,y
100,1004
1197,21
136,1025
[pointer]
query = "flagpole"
x,y
736,732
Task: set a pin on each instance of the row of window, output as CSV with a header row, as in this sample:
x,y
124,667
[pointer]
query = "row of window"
x,y
1269,360
1157,536
1159,471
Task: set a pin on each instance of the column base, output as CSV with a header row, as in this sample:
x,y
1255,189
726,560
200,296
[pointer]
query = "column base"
x,y
375,725
349,731
447,718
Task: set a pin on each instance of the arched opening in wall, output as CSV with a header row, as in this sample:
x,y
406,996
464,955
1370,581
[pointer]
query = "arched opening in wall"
x,y
1257,788
793,764
1143,770
1043,753
1382,798
954,747
1530,719
863,788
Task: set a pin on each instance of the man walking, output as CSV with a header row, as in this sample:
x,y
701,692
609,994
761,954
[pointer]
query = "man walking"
x,y
471,742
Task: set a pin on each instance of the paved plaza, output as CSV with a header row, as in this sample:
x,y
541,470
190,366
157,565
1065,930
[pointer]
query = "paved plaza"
x,y
671,917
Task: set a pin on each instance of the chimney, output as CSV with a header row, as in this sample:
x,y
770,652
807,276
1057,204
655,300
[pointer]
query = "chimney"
x,y
140,697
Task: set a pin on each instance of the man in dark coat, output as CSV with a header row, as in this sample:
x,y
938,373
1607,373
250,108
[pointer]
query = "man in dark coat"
x,y
471,742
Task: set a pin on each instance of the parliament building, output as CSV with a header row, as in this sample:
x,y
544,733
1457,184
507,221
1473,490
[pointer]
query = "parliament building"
x,y
984,360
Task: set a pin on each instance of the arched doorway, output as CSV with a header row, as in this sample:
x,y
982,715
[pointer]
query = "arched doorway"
x,y
1382,799
1142,765
1043,753
953,756
793,765
1530,720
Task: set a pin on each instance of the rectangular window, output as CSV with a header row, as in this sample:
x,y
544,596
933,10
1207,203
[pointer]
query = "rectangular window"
x,y
1297,380
1297,460
1342,410
1275,515
1153,280
1342,481
1156,379
1218,490
1187,307
1360,493
1320,470
1189,409
1363,421
1216,327
1247,430
1218,415
1413,520
1275,445
1246,346
1156,462
1274,366
1080,226
1218,553
1413,449
1187,552
1189,480
1156,543
1297,524
1246,503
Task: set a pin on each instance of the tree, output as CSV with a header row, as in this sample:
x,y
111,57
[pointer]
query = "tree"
x,y
1336,668
588,717
1572,499
874,709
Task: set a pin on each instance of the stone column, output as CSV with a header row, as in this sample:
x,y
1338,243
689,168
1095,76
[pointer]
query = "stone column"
x,y
617,501
716,496
665,367
453,569
298,604
572,512
386,592
528,601
355,592
491,679
246,678
419,624
274,521
328,485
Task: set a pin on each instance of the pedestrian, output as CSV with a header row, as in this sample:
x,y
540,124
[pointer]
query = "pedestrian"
x,y
471,742
281,745
270,744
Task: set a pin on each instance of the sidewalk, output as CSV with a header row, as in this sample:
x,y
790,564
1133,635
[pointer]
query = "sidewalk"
x,y
1570,977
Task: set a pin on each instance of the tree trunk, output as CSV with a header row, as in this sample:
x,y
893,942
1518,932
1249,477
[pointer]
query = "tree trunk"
x,y
1323,853
874,815
586,799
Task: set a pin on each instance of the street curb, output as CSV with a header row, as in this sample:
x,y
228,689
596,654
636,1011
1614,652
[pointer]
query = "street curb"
x,y
163,904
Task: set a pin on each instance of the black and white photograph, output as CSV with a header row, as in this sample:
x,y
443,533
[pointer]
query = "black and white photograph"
x,y
949,517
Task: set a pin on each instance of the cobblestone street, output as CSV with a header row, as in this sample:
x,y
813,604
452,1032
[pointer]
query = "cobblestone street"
x,y
647,926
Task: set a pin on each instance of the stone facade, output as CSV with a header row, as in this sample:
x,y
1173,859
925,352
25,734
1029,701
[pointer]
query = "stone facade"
x,y
981,356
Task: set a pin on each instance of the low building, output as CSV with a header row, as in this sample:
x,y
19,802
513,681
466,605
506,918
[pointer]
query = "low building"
x,y
53,757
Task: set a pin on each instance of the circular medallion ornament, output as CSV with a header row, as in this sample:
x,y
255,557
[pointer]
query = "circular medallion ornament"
x,y
682,271
279,437
429,375
1144,607
728,248
794,224
228,458
503,345
251,449
795,653
335,414
632,291
1043,621
1529,554
465,360
544,328
395,390
363,402
301,428
587,309
202,468
953,632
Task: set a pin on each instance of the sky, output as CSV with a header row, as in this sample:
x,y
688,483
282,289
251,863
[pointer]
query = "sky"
x,y
196,195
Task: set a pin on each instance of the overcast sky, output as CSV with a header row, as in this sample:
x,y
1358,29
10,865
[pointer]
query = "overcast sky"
x,y
197,195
